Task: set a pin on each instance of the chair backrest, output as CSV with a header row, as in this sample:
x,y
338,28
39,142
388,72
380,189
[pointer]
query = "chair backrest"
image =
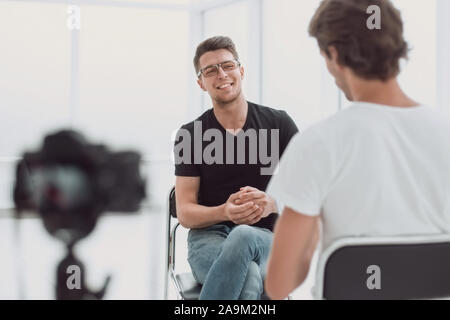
x,y
172,203
170,236
385,268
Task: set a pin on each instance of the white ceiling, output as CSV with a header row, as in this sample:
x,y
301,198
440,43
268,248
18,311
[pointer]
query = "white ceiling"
x,y
167,4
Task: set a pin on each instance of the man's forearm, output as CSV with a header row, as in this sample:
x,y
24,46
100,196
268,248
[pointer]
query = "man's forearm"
x,y
195,216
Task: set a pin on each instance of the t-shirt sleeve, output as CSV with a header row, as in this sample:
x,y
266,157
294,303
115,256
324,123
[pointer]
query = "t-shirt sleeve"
x,y
184,154
288,129
303,177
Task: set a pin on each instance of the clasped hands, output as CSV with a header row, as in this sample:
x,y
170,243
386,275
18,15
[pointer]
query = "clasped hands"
x,y
248,206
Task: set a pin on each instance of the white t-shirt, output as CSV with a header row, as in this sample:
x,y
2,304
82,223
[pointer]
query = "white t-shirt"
x,y
370,170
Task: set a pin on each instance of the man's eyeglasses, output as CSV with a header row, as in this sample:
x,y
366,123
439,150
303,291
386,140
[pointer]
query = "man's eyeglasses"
x,y
213,70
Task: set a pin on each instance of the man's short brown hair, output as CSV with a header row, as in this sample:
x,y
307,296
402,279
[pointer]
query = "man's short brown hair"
x,y
371,54
212,44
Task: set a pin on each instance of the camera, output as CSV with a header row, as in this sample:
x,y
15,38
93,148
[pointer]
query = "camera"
x,y
70,183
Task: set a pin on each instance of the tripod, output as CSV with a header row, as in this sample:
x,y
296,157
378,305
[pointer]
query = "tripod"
x,y
70,279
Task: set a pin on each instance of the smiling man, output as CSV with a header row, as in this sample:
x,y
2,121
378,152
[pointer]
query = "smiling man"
x,y
220,187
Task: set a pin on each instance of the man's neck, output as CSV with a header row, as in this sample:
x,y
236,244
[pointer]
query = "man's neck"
x,y
386,93
232,115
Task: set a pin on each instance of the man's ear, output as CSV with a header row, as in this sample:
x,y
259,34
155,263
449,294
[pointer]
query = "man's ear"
x,y
200,84
334,55
242,71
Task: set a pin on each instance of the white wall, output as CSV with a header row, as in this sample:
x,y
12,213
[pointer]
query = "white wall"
x,y
418,76
295,76
234,21
34,79
442,54
131,86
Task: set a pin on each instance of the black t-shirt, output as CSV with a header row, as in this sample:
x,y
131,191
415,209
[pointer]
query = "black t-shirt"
x,y
220,169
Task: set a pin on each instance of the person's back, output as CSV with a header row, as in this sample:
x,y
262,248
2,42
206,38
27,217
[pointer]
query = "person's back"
x,y
389,169
378,168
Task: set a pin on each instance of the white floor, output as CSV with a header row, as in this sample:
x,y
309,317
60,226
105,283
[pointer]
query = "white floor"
x,y
129,247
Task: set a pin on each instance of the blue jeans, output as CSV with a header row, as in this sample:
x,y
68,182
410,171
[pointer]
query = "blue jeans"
x,y
229,262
